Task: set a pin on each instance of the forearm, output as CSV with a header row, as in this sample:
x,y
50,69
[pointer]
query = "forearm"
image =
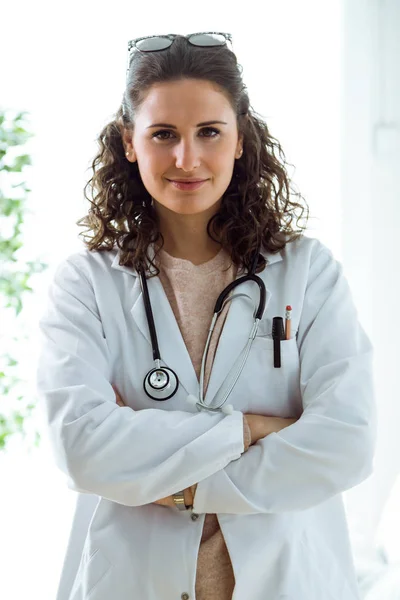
x,y
255,427
189,493
251,432
292,470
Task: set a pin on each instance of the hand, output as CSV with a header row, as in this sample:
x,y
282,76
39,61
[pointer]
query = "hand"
x,y
261,425
168,501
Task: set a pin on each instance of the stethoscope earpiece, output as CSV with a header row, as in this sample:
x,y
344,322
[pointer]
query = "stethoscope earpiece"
x,y
192,400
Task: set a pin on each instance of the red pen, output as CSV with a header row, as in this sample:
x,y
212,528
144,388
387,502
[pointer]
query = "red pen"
x,y
288,322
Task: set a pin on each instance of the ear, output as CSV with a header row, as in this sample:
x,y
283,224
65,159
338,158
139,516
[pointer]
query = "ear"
x,y
239,146
126,136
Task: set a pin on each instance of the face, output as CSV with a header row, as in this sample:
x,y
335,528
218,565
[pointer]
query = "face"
x,y
183,149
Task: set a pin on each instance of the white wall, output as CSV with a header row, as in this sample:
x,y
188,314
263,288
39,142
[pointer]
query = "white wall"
x,y
370,161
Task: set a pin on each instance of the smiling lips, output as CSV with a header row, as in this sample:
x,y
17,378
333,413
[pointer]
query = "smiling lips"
x,y
187,180
188,184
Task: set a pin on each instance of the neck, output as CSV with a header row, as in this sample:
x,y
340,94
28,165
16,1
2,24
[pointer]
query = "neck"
x,y
186,237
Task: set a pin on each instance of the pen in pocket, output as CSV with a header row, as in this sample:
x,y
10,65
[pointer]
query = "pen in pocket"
x,y
278,334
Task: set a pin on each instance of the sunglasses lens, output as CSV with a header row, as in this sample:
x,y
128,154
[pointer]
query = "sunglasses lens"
x,y
207,39
161,43
154,43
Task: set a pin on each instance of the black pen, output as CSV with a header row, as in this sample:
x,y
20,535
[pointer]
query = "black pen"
x,y
278,334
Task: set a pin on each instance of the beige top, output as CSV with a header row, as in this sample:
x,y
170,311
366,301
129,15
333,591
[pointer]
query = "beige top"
x,y
192,291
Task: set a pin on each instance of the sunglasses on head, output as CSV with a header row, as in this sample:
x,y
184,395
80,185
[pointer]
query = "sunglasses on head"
x,y
155,43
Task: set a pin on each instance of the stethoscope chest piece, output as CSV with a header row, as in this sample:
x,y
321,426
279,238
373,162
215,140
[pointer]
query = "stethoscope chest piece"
x,y
161,383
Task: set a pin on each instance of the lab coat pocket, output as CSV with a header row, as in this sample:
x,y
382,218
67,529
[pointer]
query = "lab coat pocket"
x,y
265,329
281,385
92,571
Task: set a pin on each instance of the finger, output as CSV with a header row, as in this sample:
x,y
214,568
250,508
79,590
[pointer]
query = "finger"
x,y
165,501
119,400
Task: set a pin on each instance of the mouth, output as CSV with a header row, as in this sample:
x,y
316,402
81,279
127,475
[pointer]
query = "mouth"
x,y
187,185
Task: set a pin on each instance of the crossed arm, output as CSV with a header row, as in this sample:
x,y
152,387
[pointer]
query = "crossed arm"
x,y
259,425
336,386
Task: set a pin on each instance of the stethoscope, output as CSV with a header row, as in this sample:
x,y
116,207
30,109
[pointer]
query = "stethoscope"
x,y
161,383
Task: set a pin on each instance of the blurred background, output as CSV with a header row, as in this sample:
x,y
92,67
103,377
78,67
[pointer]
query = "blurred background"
x,y
326,77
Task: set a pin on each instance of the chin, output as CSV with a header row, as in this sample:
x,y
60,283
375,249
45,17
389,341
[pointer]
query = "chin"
x,y
187,204
192,207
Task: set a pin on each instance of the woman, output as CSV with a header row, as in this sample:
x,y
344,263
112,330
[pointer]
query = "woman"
x,y
182,495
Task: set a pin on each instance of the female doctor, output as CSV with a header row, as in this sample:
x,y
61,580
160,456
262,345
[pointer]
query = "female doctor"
x,y
206,383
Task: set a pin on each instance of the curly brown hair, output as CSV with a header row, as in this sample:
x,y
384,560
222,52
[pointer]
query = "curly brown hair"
x,y
255,210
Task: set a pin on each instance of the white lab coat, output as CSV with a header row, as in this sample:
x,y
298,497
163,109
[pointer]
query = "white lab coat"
x,y
279,505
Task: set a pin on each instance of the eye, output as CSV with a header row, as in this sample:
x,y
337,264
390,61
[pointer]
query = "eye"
x,y
212,129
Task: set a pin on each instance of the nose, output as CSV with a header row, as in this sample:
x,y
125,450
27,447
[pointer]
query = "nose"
x,y
187,155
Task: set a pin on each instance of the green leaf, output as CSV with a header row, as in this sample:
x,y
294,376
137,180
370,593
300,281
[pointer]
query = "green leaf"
x,y
21,161
14,279
18,420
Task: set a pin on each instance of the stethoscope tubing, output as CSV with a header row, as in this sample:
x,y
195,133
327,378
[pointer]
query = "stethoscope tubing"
x,y
150,318
244,352
241,360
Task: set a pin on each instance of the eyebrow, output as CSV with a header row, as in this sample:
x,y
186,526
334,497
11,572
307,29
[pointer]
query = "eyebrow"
x,y
198,124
